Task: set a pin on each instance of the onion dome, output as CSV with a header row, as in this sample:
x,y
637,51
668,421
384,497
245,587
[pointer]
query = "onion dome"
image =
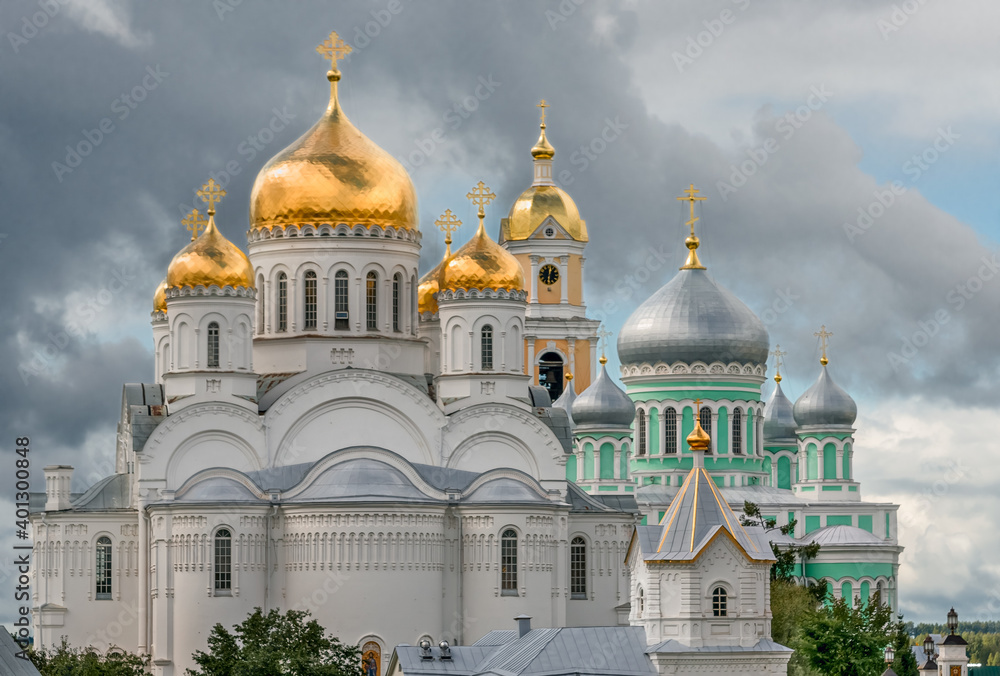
x,y
333,174
825,403
428,288
481,263
543,199
603,404
699,440
692,318
210,258
566,399
779,422
160,297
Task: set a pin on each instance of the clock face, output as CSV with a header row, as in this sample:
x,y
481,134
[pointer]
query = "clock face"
x,y
549,274
956,670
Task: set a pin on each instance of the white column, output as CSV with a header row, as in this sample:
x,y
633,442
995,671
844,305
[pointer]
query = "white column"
x,y
572,356
384,308
534,279
564,277
529,366
361,311
503,350
293,304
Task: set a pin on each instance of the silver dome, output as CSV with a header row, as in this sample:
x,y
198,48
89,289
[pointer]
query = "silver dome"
x,y
603,404
825,403
565,401
691,318
779,421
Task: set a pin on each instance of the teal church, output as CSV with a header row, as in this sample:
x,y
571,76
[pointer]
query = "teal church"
x,y
694,349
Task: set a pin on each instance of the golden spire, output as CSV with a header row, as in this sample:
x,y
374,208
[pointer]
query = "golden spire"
x,y
543,150
481,196
569,377
604,334
823,335
778,354
692,242
698,440
333,49
195,223
448,223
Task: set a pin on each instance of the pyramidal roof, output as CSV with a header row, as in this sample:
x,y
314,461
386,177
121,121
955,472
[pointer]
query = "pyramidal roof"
x,y
698,514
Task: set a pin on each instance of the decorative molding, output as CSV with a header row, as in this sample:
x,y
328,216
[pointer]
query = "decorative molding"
x,y
322,230
446,295
188,291
695,368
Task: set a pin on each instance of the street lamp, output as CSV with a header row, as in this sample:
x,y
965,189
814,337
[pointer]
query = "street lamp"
x,y
929,646
952,622
890,654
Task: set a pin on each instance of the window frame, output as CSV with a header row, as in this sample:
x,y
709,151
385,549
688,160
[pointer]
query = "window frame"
x,y
341,301
310,306
397,288
486,347
281,298
578,568
371,301
508,562
720,601
736,431
212,354
222,572
103,568
670,431
640,433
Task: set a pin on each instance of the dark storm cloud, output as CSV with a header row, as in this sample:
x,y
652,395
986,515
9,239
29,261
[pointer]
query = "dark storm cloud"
x,y
153,98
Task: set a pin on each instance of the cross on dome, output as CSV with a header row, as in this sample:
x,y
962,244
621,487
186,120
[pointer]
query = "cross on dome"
x,y
195,223
823,336
481,196
603,334
778,354
333,49
543,105
448,223
211,193
691,196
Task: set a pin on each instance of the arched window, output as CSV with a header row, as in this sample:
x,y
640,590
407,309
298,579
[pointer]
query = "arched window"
x,y
738,431
213,345
371,301
282,301
486,347
102,569
705,418
640,432
341,318
670,430
397,283
310,300
223,563
719,602
508,563
578,568
642,601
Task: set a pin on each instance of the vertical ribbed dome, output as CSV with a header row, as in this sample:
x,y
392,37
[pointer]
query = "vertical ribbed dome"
x,y
603,404
566,399
779,421
825,403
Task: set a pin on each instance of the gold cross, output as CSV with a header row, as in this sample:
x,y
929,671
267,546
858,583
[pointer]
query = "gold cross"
x,y
823,334
604,334
211,193
692,197
778,354
195,223
482,196
543,105
697,407
448,223
334,49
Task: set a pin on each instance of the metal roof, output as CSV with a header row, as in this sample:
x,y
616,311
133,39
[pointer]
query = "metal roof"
x,y
779,421
843,535
10,664
825,403
603,404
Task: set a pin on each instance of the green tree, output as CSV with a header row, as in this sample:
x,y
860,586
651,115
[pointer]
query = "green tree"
x,y
905,663
788,554
841,640
67,661
792,607
275,644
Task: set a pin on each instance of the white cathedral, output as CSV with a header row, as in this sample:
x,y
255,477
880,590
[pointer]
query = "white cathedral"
x,y
327,432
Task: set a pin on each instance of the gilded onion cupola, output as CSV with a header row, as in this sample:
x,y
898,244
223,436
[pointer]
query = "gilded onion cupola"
x,y
333,174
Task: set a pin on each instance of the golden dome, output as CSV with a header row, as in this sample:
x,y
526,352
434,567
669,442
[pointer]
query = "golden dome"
x,y
543,150
426,302
160,297
333,174
538,203
210,259
698,440
481,263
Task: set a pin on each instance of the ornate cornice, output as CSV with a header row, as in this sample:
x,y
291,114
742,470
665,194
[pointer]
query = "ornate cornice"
x,y
717,368
481,294
213,290
322,230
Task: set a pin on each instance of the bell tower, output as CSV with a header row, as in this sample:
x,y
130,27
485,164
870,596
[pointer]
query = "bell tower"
x,y
546,234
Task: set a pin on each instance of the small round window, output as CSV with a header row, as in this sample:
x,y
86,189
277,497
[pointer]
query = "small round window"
x,y
550,232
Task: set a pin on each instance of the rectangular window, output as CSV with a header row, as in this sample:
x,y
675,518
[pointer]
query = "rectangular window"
x,y
282,303
641,431
310,308
508,564
341,321
223,563
487,348
371,302
578,569
395,303
213,346
670,430
103,570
